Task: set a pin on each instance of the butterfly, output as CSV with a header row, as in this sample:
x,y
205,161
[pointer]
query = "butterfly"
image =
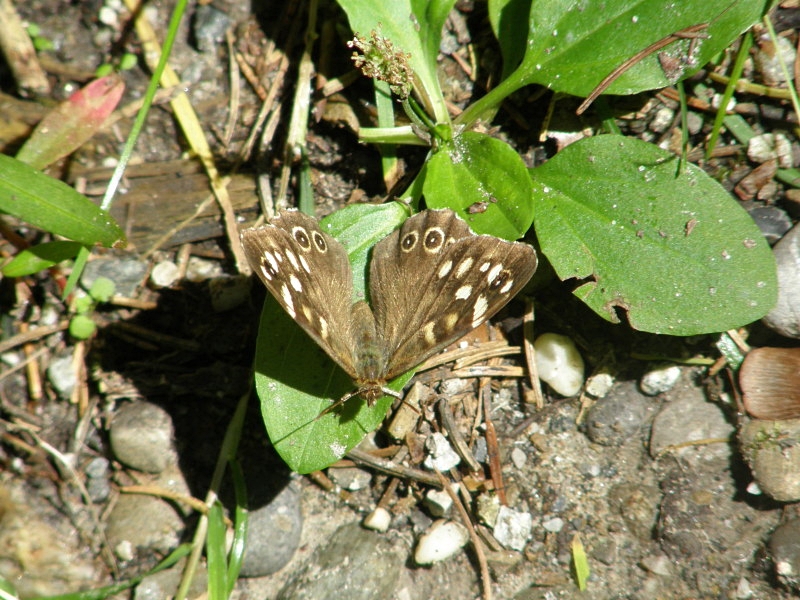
x,y
431,281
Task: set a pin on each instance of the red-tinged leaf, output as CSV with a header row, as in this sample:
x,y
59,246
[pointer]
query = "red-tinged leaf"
x,y
72,122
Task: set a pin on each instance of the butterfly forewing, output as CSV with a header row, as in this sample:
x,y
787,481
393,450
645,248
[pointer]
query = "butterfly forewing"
x,y
308,273
434,280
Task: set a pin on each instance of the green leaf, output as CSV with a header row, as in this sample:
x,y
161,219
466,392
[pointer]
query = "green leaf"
x,y
479,170
81,327
509,20
580,563
414,27
672,250
54,206
296,380
571,48
102,289
71,123
41,257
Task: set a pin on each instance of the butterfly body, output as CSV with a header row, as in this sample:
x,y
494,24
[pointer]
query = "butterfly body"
x,y
431,281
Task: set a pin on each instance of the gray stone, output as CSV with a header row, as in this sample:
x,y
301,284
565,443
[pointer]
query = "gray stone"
x,y
141,437
126,273
61,375
616,418
784,545
273,534
355,564
785,317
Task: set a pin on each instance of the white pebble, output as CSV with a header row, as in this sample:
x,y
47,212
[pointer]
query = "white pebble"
x,y
660,380
164,274
378,520
518,457
599,384
443,540
438,502
441,455
559,363
513,528
553,525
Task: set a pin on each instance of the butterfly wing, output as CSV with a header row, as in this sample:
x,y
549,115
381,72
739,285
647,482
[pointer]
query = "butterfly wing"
x,y
307,272
433,280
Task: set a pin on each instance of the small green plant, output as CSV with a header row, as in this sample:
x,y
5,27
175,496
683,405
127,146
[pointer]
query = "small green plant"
x,y
81,325
641,235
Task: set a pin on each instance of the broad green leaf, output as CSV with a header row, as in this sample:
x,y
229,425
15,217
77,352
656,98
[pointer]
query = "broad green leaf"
x,y
413,27
41,257
482,171
668,247
71,123
296,380
580,562
570,46
53,206
509,20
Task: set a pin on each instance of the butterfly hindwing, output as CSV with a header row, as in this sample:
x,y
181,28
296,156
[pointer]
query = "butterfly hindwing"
x,y
308,273
434,280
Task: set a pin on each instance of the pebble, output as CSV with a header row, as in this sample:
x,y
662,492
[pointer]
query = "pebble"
x,y
164,274
141,436
163,584
378,520
637,504
614,420
61,376
126,273
767,63
772,221
97,479
553,525
662,119
772,449
513,528
210,24
146,525
355,564
200,269
438,503
443,540
487,508
350,478
599,385
658,564
441,455
660,379
784,318
770,146
518,457
691,418
559,363
273,533
785,551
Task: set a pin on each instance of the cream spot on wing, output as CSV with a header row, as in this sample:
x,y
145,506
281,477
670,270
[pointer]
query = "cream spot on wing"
x,y
479,310
306,309
266,272
484,267
298,287
323,328
507,286
427,332
494,273
292,259
304,264
463,292
270,258
463,267
450,321
286,296
445,269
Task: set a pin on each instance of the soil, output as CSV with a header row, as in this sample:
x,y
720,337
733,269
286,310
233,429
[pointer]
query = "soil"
x,y
666,523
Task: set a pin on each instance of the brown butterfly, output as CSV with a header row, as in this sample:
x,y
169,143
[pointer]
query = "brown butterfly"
x,y
430,282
